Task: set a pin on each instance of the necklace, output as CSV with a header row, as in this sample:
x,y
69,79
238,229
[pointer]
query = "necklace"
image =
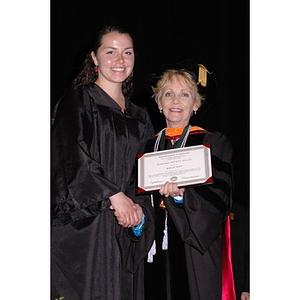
x,y
161,139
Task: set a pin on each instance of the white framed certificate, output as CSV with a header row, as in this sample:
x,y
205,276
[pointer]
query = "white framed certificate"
x,y
184,166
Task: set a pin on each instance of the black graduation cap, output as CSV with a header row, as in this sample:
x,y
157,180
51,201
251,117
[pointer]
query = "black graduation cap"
x,y
206,80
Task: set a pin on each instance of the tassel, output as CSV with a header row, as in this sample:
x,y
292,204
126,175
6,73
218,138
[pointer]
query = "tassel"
x,y
165,238
151,252
202,76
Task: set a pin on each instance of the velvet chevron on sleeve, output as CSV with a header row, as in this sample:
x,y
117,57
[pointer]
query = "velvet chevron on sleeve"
x,y
208,203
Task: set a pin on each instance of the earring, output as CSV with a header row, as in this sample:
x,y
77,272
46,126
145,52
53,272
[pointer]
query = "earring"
x,y
195,112
96,69
160,111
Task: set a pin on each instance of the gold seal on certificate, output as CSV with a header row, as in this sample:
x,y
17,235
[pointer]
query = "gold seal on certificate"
x,y
184,166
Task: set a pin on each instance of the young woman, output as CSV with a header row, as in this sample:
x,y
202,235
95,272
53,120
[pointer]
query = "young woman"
x,y
101,230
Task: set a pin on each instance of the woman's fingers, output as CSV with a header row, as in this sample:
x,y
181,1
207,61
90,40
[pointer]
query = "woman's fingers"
x,y
171,189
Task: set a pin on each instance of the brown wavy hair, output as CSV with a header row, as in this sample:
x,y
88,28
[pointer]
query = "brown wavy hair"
x,y
87,75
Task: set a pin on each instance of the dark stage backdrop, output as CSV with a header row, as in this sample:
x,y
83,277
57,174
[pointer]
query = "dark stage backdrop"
x,y
214,33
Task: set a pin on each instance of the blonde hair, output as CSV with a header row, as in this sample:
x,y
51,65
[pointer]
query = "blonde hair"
x,y
181,75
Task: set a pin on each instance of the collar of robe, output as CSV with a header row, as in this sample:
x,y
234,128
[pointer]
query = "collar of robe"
x,y
177,134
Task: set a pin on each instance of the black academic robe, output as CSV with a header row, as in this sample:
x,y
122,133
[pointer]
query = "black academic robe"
x,y
240,247
191,268
94,149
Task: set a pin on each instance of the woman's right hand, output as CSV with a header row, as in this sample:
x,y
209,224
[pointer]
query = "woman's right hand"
x,y
127,212
171,189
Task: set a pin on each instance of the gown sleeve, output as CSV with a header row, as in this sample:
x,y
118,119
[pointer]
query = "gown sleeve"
x,y
134,249
201,218
78,179
148,133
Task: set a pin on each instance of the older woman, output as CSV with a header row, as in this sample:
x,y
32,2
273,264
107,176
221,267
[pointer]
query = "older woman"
x,y
190,220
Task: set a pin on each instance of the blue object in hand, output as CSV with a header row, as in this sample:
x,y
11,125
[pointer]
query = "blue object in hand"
x,y
138,229
178,199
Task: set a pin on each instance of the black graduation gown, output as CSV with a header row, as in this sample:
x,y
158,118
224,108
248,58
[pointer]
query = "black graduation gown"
x,y
240,247
94,149
191,268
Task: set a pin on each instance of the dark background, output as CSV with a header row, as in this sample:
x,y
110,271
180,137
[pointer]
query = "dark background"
x,y
213,33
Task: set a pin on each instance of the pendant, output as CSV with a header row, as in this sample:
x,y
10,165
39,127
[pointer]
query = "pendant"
x,y
162,204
